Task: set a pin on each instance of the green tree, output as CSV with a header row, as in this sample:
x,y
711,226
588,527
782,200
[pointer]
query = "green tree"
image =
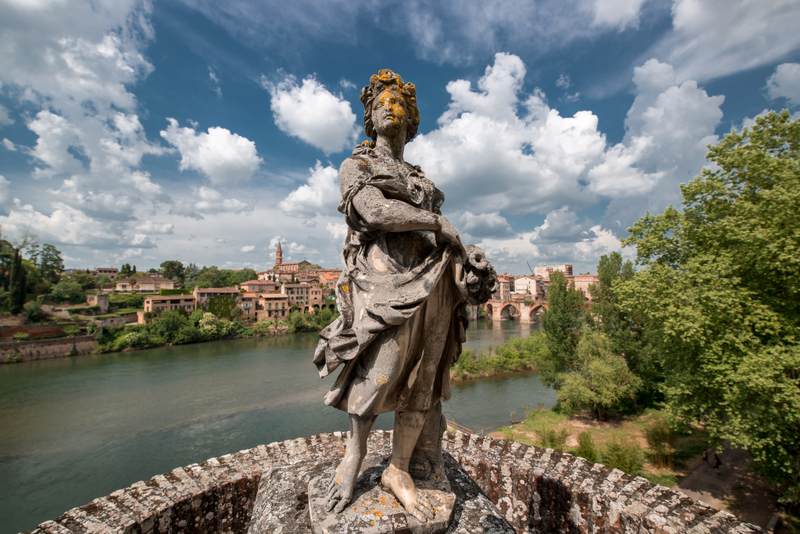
x,y
173,269
562,323
721,292
50,263
18,283
67,290
601,381
224,306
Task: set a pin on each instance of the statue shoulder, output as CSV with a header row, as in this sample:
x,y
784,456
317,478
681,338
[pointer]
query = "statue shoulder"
x,y
351,170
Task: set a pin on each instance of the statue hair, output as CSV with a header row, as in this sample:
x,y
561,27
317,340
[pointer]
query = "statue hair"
x,y
388,79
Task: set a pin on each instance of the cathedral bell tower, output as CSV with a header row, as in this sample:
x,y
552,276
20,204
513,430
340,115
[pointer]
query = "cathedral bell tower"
x,y
278,254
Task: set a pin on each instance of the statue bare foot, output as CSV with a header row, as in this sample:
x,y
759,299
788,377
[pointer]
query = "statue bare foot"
x,y
341,486
402,486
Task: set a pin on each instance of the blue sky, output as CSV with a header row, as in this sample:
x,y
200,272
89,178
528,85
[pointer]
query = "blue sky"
x,y
204,131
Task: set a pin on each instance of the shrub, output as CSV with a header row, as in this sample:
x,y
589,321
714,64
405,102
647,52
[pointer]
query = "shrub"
x,y
586,447
554,439
21,336
627,457
187,333
660,440
33,312
72,330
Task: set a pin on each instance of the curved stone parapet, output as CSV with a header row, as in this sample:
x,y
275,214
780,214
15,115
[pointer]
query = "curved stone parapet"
x,y
536,490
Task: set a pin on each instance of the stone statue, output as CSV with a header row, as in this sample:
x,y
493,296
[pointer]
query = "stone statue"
x,y
402,298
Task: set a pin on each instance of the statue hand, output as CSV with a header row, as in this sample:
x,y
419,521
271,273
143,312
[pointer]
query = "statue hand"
x,y
448,234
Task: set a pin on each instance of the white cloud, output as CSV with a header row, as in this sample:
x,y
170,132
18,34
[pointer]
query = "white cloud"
x,y
55,137
558,226
5,116
222,156
152,227
318,196
9,145
494,150
714,38
616,14
310,112
64,225
209,200
337,231
483,224
214,80
668,128
5,194
618,176
785,83
247,248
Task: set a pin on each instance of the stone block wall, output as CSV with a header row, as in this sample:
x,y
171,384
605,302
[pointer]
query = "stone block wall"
x,y
537,490
45,349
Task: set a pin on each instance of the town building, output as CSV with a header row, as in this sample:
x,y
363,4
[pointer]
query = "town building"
x,y
158,303
546,270
248,303
298,294
203,294
272,306
144,284
110,272
531,285
582,282
98,299
505,285
260,286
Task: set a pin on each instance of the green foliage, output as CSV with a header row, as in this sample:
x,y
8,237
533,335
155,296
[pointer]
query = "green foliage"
x,y
627,457
661,441
125,300
50,263
586,447
302,322
173,269
17,284
72,330
21,336
600,382
216,277
126,270
224,306
552,438
34,312
720,293
562,324
517,354
67,290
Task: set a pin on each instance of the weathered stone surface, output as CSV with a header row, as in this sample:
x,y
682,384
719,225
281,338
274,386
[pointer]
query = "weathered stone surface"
x,y
497,483
374,510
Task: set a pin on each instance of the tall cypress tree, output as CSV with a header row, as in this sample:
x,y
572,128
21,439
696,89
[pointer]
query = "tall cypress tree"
x,y
18,283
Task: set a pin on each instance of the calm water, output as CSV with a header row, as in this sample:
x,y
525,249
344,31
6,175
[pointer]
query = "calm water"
x,y
77,428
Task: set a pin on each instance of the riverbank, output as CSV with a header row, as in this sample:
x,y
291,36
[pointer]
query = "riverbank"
x,y
513,357
645,445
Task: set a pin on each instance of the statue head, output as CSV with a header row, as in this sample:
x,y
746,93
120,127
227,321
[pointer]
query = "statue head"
x,y
387,91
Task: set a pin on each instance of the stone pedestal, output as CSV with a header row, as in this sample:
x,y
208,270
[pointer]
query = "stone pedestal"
x,y
374,510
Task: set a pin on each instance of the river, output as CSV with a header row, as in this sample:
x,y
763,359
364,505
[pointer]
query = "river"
x,y
77,428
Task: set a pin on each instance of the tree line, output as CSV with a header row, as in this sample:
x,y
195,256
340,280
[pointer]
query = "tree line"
x,y
707,326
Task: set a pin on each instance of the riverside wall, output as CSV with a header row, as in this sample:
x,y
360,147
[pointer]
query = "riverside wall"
x,y
46,349
535,490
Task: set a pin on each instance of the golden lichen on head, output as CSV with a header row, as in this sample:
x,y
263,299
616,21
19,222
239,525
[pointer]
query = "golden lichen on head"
x,y
388,80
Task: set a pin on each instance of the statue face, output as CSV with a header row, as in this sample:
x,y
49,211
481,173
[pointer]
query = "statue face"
x,y
389,114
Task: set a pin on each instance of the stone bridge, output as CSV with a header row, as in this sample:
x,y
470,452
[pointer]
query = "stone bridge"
x,y
524,311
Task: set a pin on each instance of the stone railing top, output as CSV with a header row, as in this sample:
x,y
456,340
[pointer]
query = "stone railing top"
x,y
536,490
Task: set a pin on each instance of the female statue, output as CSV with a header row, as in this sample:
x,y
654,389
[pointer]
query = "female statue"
x,y
402,299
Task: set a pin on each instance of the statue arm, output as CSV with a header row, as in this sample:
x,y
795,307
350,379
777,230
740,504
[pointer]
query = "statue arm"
x,y
384,214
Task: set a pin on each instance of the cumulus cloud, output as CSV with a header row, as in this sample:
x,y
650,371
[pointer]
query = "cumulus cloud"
x,y
209,200
714,38
63,225
496,148
5,116
616,14
483,224
5,194
152,227
247,248
318,196
668,128
9,145
785,83
55,137
224,157
310,112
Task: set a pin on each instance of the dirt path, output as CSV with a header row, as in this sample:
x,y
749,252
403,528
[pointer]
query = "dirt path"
x,y
732,486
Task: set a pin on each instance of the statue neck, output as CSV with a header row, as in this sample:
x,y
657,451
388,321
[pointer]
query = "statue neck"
x,y
392,146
